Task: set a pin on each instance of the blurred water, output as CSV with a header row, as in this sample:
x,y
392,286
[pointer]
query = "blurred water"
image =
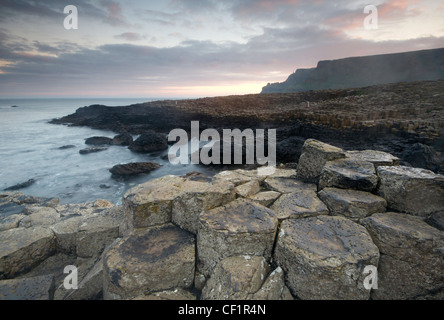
x,y
29,149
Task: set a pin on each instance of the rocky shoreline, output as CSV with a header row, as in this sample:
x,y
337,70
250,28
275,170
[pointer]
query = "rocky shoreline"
x,y
404,119
304,233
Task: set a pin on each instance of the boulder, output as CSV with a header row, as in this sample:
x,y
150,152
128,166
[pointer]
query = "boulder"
x,y
98,141
378,158
123,139
349,174
150,204
236,278
352,204
324,257
149,141
313,158
21,249
92,150
240,227
37,288
412,256
132,169
196,197
412,190
299,204
149,260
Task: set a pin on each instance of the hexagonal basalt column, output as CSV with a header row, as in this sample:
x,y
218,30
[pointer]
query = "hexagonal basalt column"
x,y
150,204
324,257
241,227
149,260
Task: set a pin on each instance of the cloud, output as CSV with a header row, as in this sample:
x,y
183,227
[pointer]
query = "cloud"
x,y
115,16
129,36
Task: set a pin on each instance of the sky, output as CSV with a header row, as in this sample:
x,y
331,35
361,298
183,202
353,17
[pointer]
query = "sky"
x,y
194,48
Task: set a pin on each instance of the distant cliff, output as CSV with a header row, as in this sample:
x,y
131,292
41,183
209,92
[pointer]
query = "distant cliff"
x,y
365,71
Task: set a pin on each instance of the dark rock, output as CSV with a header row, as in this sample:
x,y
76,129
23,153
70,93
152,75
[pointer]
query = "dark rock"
x,y
92,150
422,156
135,168
10,208
36,288
97,141
149,141
21,185
436,220
14,106
69,146
104,186
289,150
123,139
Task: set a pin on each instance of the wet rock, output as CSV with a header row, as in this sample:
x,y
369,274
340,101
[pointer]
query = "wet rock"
x,y
69,146
22,249
132,169
11,208
352,204
313,158
98,141
236,278
149,141
92,150
349,174
149,260
150,204
240,227
123,139
21,185
412,256
37,288
299,204
412,190
323,257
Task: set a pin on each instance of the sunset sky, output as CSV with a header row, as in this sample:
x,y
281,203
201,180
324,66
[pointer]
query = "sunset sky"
x,y
194,48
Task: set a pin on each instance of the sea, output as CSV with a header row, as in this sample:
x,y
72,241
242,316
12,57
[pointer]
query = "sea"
x,y
30,148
